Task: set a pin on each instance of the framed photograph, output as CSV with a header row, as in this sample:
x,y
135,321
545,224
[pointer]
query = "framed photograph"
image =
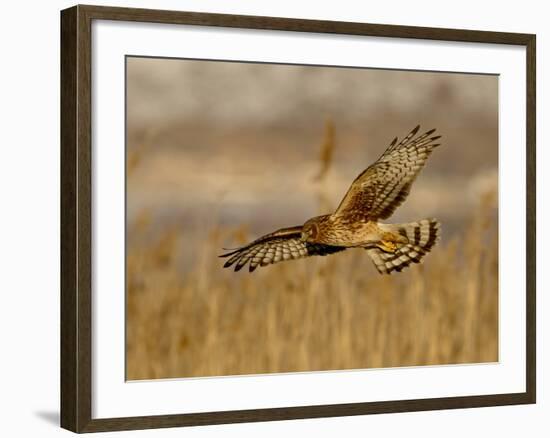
x,y
269,218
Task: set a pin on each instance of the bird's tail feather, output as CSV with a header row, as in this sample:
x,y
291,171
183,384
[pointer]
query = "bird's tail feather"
x,y
421,235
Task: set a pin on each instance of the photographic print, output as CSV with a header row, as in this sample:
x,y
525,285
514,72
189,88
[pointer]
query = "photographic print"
x,y
267,218
292,218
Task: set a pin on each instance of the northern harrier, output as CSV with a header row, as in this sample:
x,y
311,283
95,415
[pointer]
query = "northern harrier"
x,y
374,195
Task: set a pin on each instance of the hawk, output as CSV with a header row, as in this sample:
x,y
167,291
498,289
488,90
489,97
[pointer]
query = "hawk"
x,y
373,195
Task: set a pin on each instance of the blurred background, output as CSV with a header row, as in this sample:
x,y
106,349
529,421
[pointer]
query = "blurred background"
x,y
219,153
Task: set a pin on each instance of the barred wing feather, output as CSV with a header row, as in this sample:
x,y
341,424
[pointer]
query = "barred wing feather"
x,y
284,244
384,185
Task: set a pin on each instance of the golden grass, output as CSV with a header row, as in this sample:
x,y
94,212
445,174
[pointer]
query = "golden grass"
x,y
327,149
189,317
322,313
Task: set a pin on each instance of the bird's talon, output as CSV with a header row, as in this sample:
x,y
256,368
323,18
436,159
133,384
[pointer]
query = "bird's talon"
x,y
387,246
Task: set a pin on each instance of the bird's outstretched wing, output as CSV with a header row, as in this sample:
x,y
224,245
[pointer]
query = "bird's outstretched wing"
x,y
384,185
283,244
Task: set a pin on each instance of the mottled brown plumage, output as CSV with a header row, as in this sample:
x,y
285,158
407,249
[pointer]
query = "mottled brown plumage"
x,y
373,195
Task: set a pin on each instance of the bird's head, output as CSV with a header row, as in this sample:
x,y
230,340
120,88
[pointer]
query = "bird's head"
x,y
310,231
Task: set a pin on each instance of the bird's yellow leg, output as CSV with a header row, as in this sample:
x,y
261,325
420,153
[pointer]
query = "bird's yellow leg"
x,y
387,246
391,242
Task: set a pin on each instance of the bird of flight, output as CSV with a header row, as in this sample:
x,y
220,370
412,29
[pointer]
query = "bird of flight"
x,y
374,195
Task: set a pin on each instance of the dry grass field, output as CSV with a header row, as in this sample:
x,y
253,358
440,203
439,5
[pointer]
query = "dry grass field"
x,y
318,314
323,313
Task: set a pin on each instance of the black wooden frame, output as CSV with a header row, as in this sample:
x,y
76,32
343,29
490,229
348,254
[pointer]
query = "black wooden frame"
x,y
76,243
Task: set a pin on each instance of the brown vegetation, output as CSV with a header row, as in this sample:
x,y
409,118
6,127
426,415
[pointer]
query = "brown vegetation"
x,y
194,318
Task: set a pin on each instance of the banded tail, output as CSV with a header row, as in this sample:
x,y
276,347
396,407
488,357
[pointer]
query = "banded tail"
x,y
422,236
